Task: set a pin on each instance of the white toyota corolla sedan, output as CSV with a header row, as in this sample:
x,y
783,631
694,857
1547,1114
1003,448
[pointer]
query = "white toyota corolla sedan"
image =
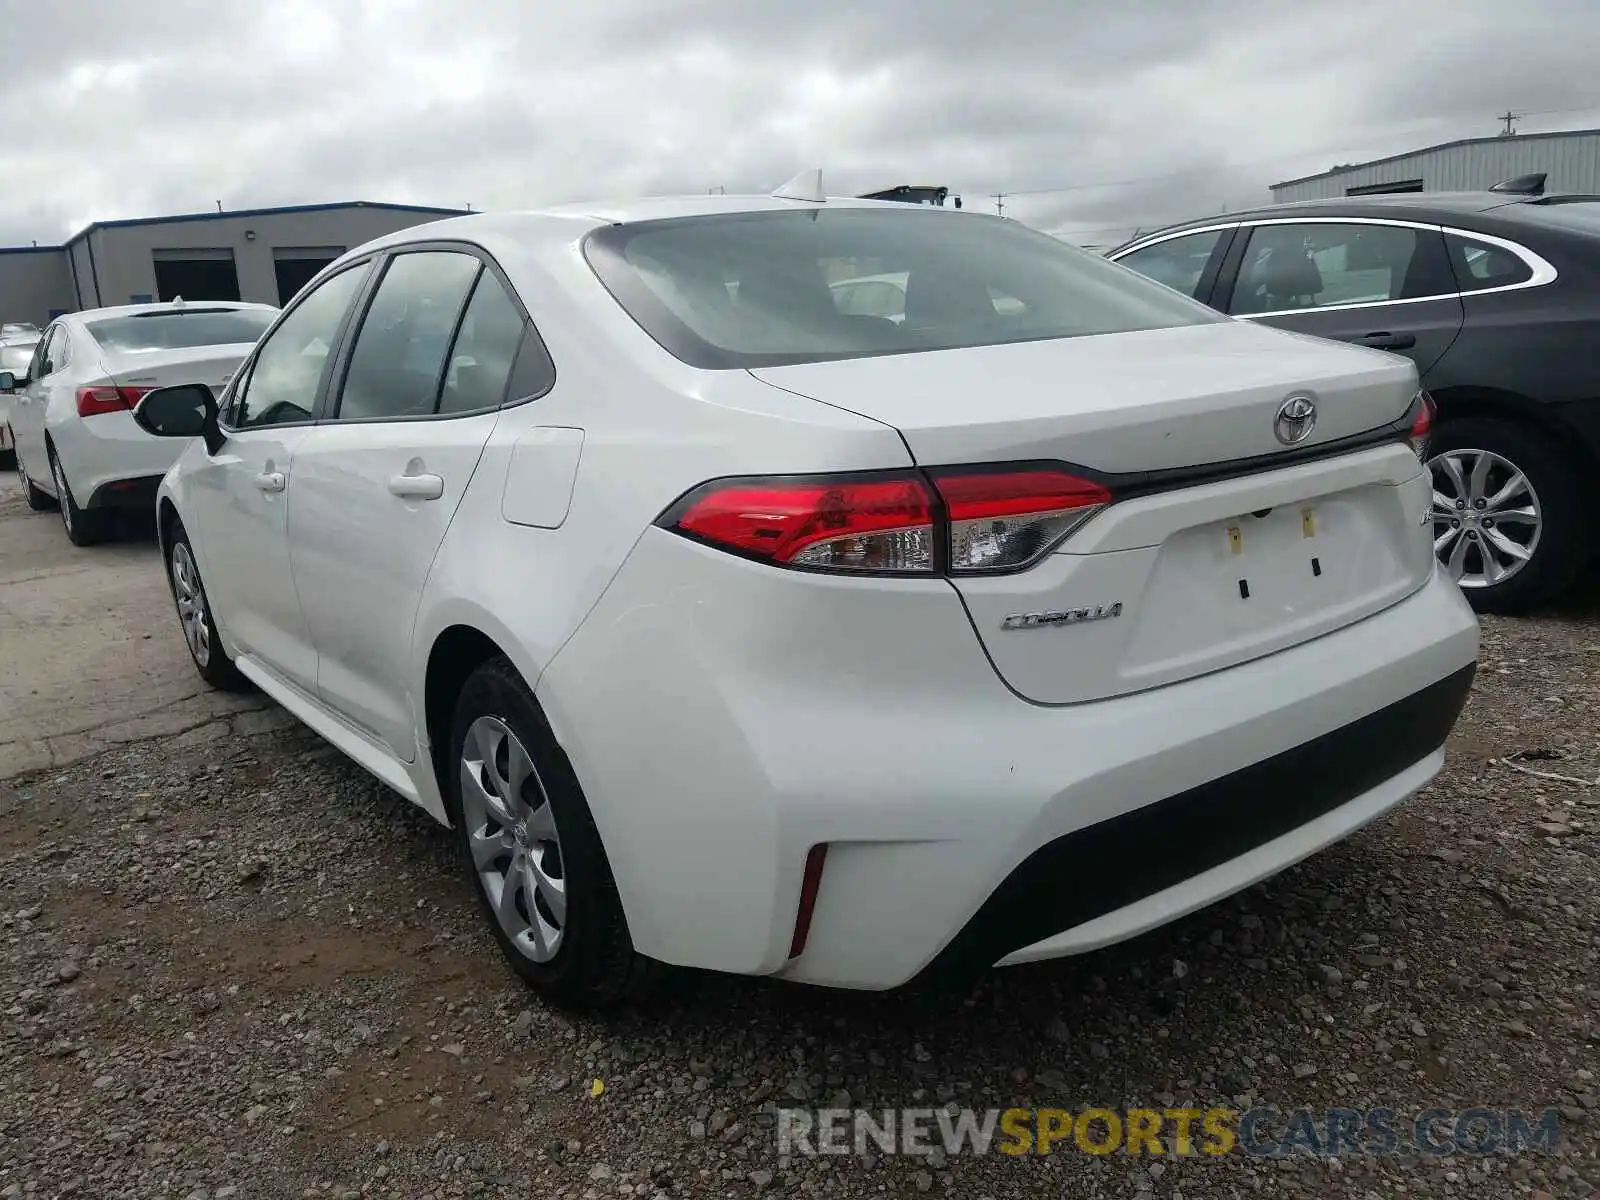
x,y
733,630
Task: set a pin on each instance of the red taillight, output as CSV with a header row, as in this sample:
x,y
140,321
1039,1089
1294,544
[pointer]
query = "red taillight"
x,y
95,400
1003,520
879,523
989,519
1423,412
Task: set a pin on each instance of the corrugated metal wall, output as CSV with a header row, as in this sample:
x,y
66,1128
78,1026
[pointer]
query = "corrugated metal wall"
x,y
1572,160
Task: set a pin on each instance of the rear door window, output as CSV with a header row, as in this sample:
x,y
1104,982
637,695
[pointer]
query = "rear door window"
x,y
1287,267
485,350
398,360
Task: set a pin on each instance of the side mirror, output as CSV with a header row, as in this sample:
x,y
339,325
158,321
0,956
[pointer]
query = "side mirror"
x,y
8,382
185,410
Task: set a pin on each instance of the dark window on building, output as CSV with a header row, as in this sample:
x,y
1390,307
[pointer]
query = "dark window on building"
x,y
296,266
1385,189
196,274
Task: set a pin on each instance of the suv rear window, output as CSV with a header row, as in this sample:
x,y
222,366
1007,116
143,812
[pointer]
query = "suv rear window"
x,y
769,288
180,330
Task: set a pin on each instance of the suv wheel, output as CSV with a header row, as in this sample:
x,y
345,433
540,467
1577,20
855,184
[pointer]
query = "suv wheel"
x,y
85,526
1509,519
194,615
532,849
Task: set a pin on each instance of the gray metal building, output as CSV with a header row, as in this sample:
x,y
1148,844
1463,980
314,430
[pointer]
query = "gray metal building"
x,y
262,254
1571,159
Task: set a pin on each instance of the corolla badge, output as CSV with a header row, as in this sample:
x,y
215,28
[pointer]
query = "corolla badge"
x,y
1297,417
1062,616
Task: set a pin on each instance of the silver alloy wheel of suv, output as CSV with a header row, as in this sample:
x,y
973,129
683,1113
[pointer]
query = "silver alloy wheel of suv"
x,y
1486,516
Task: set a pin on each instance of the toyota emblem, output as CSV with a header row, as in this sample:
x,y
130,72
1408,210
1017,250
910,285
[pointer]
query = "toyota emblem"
x,y
1297,417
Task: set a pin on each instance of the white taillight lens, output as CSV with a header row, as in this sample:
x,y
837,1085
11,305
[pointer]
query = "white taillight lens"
x,y
1005,520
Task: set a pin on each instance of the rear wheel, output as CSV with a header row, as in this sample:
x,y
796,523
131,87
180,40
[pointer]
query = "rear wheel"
x,y
85,526
194,616
532,849
37,500
1510,522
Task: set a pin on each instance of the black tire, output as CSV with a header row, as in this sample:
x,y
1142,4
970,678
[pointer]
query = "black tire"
x,y
84,526
214,665
1566,532
594,965
38,501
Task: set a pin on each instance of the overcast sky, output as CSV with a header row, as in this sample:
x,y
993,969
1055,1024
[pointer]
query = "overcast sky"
x,y
117,108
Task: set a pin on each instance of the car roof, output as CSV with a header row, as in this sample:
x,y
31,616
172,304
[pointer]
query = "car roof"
x,y
1439,206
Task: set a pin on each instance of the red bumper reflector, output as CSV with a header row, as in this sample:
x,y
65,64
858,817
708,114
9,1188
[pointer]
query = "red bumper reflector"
x,y
809,883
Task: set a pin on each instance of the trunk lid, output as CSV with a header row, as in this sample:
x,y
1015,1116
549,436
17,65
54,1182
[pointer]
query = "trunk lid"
x,y
1127,402
210,365
1164,585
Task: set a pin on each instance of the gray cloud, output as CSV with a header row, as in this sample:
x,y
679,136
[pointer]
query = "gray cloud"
x,y
121,109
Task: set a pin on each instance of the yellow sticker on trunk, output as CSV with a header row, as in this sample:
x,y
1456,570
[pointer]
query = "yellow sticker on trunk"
x,y
1235,542
1308,522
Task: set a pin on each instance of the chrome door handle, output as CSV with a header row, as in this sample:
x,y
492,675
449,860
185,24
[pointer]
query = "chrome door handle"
x,y
271,481
416,487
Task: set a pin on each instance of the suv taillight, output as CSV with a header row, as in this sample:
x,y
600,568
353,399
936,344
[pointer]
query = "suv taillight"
x,y
961,520
1421,415
95,400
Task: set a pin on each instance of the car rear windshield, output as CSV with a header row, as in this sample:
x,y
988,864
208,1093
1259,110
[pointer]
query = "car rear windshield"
x,y
1572,214
768,288
181,330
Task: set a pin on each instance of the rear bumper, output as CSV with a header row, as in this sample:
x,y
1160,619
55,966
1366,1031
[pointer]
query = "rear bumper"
x,y
724,718
109,449
1112,879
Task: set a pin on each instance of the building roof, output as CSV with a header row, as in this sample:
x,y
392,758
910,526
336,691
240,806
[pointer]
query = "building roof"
x,y
231,213
1477,141
261,212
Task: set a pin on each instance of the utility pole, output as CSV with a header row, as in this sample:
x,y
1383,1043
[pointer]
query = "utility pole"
x,y
1509,118
999,203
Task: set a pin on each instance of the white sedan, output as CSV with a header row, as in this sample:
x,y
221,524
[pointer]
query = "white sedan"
x,y
733,631
77,445
16,352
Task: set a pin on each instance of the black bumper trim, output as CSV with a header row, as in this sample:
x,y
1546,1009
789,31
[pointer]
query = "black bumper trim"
x,y
1108,865
139,493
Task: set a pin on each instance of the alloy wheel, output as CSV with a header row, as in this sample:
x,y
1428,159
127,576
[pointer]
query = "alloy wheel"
x,y
191,598
1486,517
63,496
515,846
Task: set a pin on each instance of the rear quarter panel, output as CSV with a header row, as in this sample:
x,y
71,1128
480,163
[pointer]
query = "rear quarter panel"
x,y
652,429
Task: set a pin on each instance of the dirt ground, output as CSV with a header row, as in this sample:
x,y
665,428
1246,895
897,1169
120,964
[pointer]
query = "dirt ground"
x,y
231,965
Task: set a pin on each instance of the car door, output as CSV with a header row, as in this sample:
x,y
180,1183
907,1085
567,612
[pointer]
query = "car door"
x,y
1186,262
243,493
1385,284
378,481
33,401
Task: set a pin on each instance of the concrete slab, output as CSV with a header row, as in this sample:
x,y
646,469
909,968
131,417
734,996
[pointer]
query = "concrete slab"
x,y
90,652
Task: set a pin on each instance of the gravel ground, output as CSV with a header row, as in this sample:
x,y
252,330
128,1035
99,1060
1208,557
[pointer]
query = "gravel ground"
x,y
232,966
